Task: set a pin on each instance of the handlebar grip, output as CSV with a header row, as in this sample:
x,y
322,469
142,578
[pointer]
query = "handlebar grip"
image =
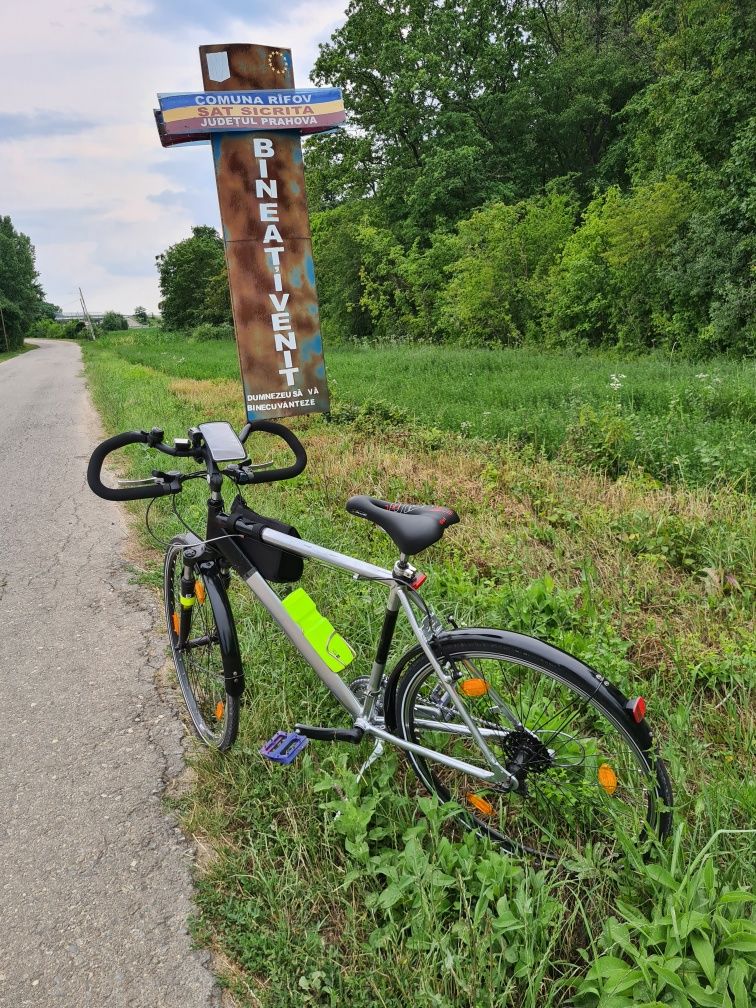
x,y
291,439
94,470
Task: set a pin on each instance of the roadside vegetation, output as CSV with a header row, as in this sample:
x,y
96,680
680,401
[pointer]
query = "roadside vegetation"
x,y
315,891
675,420
22,300
13,353
562,175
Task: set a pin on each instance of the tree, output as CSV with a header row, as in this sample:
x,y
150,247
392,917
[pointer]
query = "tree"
x,y
186,269
696,121
21,296
216,300
140,314
114,322
611,286
457,105
687,119
48,310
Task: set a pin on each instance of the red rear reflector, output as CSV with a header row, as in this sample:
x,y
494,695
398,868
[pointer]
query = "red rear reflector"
x,y
419,581
638,709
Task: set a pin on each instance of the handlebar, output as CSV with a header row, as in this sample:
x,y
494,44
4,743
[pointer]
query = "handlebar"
x,y
170,483
271,475
94,469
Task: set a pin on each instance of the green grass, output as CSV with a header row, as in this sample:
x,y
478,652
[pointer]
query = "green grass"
x,y
652,584
7,354
678,421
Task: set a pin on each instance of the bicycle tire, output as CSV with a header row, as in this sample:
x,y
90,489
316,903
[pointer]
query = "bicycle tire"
x,y
201,669
593,762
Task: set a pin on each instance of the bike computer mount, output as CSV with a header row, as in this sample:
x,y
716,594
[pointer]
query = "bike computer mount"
x,y
222,441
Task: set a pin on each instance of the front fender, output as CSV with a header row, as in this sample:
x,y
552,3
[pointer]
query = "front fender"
x,y
233,672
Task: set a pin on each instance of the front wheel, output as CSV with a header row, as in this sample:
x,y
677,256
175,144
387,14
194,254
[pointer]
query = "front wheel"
x,y
203,644
585,771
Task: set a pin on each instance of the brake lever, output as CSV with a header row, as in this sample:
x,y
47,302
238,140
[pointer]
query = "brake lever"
x,y
148,481
245,467
172,479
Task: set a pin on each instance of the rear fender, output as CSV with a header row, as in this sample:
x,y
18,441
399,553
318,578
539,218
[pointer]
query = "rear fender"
x,y
520,647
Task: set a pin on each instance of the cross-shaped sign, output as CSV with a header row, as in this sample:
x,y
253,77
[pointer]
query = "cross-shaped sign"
x,y
253,117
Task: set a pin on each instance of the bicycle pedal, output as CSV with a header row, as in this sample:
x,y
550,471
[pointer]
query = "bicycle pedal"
x,y
284,747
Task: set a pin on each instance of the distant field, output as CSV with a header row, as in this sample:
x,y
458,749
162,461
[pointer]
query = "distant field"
x,y
694,423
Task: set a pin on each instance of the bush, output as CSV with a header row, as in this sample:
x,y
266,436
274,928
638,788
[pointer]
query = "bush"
x,y
611,284
113,322
207,331
497,288
337,251
47,328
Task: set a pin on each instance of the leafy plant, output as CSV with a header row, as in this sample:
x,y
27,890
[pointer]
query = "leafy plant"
x,y
667,538
603,437
695,945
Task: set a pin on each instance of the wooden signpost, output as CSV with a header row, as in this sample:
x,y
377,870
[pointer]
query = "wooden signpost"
x,y
253,117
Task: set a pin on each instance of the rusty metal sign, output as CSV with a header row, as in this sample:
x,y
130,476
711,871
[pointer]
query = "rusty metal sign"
x,y
266,232
310,110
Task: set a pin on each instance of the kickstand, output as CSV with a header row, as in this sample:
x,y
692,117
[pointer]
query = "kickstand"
x,y
374,755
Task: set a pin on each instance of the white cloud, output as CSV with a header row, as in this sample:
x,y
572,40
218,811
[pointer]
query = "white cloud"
x,y
98,195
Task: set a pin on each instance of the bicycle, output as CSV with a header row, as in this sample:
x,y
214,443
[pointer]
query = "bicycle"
x,y
535,749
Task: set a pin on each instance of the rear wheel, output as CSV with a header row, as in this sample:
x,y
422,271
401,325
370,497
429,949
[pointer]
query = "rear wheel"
x,y
586,773
194,610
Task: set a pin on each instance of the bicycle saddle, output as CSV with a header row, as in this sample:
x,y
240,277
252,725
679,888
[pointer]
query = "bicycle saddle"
x,y
413,527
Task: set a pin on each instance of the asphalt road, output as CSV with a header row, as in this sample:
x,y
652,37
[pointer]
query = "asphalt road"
x,y
95,886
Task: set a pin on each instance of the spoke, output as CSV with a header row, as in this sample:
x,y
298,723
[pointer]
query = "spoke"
x,y
566,803
579,709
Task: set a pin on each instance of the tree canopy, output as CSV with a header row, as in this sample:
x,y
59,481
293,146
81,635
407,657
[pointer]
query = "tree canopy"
x,y
21,296
544,170
190,272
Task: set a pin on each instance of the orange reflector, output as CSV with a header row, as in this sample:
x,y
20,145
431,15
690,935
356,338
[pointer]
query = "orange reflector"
x,y
219,708
607,778
176,622
199,592
473,687
481,804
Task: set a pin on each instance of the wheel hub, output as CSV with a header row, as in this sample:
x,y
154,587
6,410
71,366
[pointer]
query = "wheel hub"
x,y
526,754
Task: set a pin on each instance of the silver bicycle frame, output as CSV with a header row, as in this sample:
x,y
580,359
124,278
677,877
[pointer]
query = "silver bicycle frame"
x,y
399,596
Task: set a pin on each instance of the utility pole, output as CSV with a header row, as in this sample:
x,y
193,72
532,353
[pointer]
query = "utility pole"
x,y
87,319
5,334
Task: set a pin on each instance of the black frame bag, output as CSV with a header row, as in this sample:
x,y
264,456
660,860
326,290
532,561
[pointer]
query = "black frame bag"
x,y
274,564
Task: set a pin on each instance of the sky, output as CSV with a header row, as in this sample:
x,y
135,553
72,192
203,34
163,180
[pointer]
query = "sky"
x,y
82,171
